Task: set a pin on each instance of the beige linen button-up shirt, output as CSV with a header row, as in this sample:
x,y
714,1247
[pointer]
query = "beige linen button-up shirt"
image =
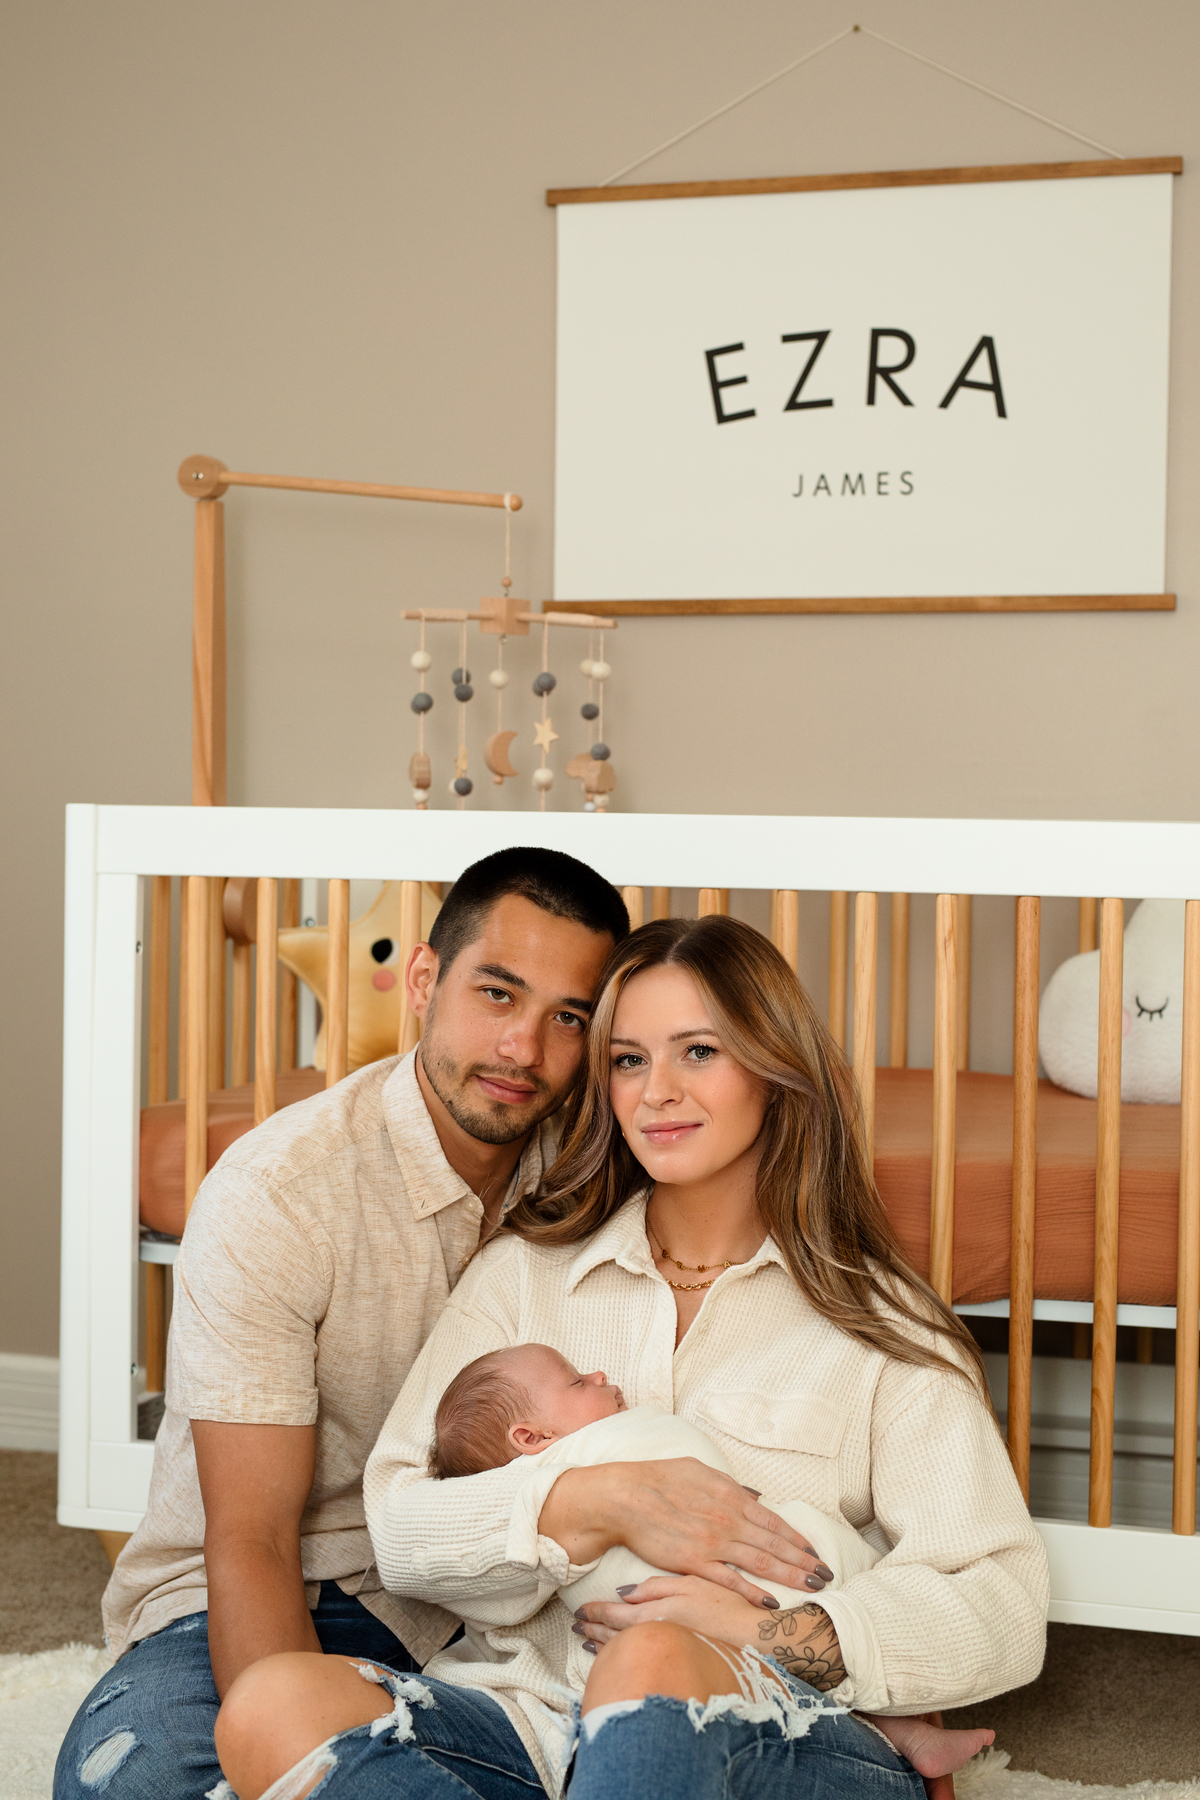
x,y
317,1258
954,1611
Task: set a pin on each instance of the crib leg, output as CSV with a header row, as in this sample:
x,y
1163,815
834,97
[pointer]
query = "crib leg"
x,y
112,1543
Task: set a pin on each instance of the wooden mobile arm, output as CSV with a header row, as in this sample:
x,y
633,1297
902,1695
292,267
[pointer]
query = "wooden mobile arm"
x,y
206,480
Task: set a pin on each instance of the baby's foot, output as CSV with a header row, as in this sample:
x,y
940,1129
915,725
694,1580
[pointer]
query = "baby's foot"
x,y
930,1749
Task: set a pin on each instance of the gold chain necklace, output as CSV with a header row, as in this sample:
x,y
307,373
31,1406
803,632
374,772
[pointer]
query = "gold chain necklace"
x,y
686,1287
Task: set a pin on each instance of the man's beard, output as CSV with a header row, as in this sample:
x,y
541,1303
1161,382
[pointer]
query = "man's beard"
x,y
499,1123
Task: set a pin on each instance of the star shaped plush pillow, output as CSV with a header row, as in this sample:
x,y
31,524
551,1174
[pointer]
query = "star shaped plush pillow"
x,y
375,973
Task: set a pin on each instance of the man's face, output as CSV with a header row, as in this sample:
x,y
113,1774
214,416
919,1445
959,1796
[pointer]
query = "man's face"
x,y
503,1026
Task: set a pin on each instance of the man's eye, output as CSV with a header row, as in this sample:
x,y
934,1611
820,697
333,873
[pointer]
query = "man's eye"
x,y
497,994
570,1019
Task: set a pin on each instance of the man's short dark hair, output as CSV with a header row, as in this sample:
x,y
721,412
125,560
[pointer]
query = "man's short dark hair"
x,y
559,884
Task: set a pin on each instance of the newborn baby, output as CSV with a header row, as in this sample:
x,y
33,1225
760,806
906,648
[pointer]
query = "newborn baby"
x,y
529,1401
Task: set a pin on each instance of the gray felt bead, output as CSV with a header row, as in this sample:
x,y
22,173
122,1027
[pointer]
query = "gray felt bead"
x,y
464,691
460,675
601,752
589,710
545,683
421,702
463,785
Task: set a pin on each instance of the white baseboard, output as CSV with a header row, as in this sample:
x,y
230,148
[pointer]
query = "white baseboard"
x,y
28,1402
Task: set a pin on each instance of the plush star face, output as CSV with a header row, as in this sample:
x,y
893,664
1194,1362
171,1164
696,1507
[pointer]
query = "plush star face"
x,y
375,973
1152,1023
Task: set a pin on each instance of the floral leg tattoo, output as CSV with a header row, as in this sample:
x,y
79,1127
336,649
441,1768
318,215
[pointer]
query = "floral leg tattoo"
x,y
804,1643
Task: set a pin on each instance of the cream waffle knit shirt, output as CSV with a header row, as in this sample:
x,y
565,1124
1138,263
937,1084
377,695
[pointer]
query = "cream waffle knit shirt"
x,y
953,1611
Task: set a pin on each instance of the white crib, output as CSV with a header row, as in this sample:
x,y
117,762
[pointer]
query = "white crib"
x,y
1139,1578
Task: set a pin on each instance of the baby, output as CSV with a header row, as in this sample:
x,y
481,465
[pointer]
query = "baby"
x,y
529,1401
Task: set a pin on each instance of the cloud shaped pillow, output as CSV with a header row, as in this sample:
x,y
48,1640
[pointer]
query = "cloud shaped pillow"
x,y
1152,998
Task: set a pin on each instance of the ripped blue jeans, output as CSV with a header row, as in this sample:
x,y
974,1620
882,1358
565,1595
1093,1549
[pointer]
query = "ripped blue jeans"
x,y
444,1743
145,1732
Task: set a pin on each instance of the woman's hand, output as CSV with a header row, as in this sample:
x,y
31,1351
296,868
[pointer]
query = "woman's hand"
x,y
681,1600
680,1514
802,1639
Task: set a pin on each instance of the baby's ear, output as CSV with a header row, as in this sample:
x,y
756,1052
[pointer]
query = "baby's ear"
x,y
527,1440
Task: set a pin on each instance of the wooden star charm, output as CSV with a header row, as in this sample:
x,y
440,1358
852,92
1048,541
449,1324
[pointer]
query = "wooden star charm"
x,y
544,735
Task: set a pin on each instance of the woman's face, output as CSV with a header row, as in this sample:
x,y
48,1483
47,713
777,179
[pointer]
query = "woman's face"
x,y
687,1109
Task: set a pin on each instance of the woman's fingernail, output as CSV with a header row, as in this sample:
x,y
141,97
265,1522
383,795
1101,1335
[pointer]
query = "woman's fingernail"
x,y
824,1573
814,1582
581,1612
627,1589
590,1647
578,1630
755,1493
770,1600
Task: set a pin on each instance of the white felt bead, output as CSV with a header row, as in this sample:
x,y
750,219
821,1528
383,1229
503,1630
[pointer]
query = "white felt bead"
x,y
601,671
421,659
589,806
543,778
499,678
585,667
420,795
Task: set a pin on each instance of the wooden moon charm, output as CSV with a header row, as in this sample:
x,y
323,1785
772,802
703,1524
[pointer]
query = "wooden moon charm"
x,y
495,755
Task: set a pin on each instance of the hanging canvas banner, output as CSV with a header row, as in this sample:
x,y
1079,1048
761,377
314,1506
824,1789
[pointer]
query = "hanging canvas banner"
x,y
890,391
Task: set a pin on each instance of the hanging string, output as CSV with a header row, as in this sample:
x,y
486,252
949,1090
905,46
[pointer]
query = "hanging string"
x,y
545,704
507,581
421,715
460,764
811,55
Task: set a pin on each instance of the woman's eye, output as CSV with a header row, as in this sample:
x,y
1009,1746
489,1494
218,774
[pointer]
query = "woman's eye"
x,y
702,1052
627,1062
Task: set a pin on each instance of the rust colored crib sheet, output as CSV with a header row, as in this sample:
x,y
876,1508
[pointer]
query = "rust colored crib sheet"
x,y
230,1115
1066,1187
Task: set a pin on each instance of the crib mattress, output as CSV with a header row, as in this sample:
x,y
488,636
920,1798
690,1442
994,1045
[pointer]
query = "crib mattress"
x,y
1064,1242
1066,1179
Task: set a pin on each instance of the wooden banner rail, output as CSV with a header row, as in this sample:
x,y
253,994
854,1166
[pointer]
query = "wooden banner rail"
x,y
881,603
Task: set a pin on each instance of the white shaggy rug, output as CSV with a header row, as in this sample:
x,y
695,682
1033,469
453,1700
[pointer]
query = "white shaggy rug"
x,y
39,1696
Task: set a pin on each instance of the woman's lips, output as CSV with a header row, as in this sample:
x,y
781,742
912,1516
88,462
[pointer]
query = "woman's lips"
x,y
508,1091
669,1134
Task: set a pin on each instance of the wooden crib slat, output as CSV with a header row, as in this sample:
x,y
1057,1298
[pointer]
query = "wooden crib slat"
x,y
866,970
945,1018
839,942
1087,925
1108,1209
195,1162
266,933
289,915
1187,1296
156,1326
159,1034
962,928
337,1024
713,900
661,908
410,937
635,906
216,982
785,934
239,906
1024,1183
898,996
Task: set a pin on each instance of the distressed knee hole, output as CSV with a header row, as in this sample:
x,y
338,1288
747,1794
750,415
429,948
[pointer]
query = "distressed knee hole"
x,y
110,1693
600,1715
222,1791
406,1691
101,1764
299,1779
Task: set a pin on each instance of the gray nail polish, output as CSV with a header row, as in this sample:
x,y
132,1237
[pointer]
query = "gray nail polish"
x,y
578,1630
754,1493
627,1589
580,1612
824,1573
771,1601
814,1582
590,1647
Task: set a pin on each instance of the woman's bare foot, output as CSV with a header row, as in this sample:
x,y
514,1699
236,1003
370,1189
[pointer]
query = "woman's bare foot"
x,y
931,1749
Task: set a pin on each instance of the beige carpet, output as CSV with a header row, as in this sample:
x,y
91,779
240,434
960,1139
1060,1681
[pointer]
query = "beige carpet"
x,y
1111,1709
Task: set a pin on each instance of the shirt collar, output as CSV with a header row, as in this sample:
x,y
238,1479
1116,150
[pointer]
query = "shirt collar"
x,y
622,1240
429,1181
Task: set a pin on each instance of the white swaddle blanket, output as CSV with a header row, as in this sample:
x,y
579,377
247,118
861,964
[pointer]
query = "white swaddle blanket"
x,y
648,1434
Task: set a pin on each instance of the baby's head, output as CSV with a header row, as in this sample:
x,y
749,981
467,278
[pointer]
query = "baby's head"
x,y
513,1403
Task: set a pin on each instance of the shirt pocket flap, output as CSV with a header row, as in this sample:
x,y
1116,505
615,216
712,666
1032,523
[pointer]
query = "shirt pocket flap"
x,y
808,1423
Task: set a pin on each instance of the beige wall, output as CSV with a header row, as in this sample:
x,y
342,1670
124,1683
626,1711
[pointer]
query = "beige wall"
x,y
311,237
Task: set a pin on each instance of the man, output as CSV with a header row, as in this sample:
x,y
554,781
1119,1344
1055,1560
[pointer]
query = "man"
x,y
317,1257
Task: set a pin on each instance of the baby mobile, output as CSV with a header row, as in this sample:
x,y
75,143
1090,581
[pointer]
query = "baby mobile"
x,y
503,618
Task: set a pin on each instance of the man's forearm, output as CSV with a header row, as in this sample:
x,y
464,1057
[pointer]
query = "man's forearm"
x,y
804,1643
256,1606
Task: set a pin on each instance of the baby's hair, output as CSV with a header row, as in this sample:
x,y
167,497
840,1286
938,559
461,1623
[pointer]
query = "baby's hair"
x,y
473,1417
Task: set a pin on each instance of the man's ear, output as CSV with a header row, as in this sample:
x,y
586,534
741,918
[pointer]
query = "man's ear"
x,y
420,976
527,1440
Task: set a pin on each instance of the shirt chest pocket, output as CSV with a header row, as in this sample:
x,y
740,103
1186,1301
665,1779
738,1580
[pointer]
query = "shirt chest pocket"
x,y
772,1437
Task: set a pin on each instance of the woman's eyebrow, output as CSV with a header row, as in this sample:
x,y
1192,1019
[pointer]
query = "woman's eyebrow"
x,y
695,1031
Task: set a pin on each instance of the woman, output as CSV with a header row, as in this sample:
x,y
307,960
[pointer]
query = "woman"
x,y
711,1236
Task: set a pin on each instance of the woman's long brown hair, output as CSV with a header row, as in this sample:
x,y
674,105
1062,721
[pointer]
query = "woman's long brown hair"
x,y
816,1194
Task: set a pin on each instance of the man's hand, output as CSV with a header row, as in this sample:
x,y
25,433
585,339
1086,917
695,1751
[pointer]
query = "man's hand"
x,y
255,1481
680,1515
